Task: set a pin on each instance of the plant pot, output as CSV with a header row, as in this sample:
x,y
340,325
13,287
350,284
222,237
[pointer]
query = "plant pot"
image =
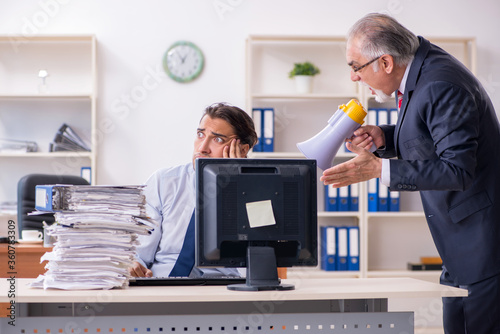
x,y
303,83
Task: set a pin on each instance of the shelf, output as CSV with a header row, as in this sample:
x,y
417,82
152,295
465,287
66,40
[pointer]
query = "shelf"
x,y
292,155
311,96
338,214
286,39
401,214
45,96
47,155
33,108
45,38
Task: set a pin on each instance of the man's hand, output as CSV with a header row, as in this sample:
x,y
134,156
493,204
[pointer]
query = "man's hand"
x,y
234,150
138,270
367,136
364,167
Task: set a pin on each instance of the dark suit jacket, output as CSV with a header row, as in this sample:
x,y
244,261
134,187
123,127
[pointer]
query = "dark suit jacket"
x,y
447,141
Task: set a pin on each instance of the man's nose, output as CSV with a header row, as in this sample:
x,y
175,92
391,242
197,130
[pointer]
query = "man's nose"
x,y
204,145
354,76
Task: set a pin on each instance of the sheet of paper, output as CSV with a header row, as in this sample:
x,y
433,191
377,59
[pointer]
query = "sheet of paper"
x,y
260,214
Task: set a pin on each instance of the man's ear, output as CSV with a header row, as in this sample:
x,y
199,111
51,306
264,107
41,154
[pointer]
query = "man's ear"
x,y
244,150
387,63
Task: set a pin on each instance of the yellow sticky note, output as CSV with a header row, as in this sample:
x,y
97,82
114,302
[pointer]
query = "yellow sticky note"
x,y
260,214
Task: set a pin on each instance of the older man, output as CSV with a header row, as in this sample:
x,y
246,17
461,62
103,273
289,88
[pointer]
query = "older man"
x,y
446,141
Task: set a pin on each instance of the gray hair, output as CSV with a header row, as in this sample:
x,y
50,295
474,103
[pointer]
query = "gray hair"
x,y
380,34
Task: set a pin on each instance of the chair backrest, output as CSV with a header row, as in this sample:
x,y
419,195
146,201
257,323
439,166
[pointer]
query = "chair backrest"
x,y
26,188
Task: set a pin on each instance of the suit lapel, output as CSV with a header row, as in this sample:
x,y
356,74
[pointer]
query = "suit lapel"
x,y
411,82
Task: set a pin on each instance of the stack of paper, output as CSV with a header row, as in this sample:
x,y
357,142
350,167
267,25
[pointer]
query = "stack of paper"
x,y
66,139
96,233
17,146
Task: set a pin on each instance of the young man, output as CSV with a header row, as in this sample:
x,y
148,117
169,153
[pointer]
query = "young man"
x,y
224,131
446,141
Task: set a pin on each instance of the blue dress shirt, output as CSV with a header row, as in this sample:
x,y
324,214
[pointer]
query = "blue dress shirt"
x,y
170,196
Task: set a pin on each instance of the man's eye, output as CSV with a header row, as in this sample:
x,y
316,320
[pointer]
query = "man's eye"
x,y
219,140
200,134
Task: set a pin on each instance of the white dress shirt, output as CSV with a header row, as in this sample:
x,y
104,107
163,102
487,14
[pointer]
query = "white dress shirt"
x,y
170,196
385,178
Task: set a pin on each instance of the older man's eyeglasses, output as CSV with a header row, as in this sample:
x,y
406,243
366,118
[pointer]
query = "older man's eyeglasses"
x,y
359,68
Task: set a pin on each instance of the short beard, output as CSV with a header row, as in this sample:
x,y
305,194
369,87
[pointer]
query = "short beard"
x,y
380,96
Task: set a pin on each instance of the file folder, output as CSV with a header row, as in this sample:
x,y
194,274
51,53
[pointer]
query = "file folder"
x,y
372,195
394,201
331,198
354,197
342,248
257,121
393,116
66,139
371,118
382,116
383,197
86,173
268,130
328,248
344,198
353,256
45,198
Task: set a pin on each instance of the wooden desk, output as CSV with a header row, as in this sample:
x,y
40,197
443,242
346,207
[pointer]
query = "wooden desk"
x,y
27,264
27,260
353,305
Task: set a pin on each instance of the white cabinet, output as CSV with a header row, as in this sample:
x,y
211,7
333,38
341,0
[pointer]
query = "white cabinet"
x,y
388,240
33,111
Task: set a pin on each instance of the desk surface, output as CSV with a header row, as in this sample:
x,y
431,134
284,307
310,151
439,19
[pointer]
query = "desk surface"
x,y
305,289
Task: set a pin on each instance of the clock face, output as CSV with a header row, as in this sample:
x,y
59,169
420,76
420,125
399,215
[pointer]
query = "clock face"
x,y
183,61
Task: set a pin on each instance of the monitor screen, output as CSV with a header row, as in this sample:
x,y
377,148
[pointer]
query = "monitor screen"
x,y
256,213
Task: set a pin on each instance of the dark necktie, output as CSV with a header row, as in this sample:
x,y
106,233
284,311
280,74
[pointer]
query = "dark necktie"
x,y
185,261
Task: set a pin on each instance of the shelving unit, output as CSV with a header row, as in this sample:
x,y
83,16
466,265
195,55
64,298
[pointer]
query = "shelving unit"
x,y
31,111
388,240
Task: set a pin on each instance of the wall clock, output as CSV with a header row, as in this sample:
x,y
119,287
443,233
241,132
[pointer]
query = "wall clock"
x,y
183,61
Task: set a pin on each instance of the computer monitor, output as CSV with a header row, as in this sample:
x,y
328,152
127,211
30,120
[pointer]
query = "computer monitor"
x,y
256,213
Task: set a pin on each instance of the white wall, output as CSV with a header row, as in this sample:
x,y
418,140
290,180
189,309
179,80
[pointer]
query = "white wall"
x,y
156,129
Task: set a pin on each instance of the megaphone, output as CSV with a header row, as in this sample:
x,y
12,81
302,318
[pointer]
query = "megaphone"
x,y
324,146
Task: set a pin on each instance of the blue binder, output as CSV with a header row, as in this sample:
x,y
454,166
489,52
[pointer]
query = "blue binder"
x,y
383,197
354,197
331,198
394,201
342,248
393,116
86,173
328,248
383,116
43,197
373,195
353,255
268,130
257,121
344,198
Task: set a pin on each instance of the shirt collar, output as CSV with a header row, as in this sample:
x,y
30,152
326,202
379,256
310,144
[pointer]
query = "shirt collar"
x,y
402,86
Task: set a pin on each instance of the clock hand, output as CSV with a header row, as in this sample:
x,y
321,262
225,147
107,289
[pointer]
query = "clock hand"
x,y
183,58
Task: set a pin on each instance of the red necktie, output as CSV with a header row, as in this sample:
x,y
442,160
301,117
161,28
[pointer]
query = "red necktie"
x,y
400,99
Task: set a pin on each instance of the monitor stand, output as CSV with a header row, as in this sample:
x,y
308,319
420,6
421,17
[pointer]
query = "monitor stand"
x,y
262,271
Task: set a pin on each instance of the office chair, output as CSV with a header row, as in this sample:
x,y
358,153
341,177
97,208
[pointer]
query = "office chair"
x,y
26,198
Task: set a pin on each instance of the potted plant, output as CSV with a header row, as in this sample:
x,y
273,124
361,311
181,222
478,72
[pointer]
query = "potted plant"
x,y
303,74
